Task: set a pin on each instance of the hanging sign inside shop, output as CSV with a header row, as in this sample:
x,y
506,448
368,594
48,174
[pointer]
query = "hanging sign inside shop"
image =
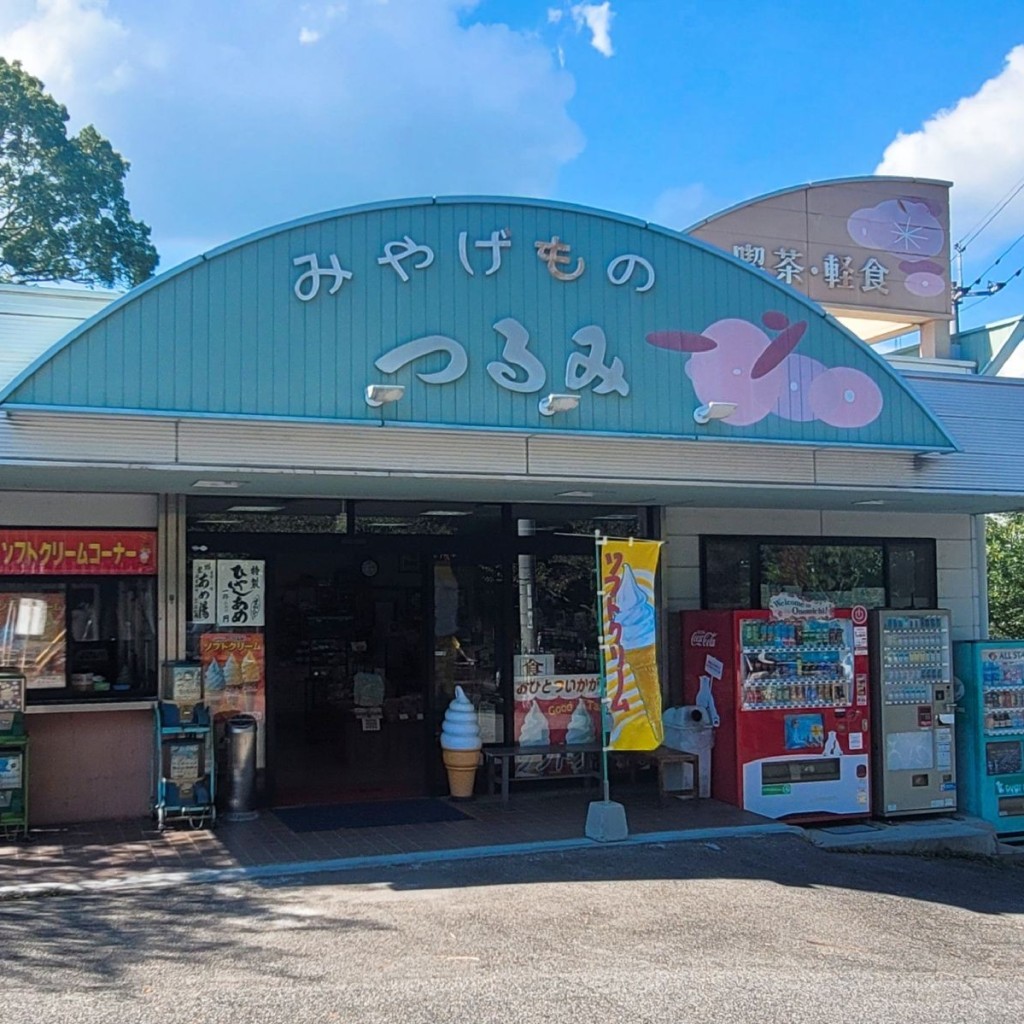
x,y
628,569
204,591
792,606
239,593
77,552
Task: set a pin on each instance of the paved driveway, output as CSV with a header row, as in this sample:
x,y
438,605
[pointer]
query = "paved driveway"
x,y
768,929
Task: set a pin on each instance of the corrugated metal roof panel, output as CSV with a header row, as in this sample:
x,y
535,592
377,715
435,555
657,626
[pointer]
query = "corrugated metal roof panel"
x,y
230,334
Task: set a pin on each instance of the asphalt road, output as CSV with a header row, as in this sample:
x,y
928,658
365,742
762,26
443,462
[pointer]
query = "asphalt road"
x,y
743,930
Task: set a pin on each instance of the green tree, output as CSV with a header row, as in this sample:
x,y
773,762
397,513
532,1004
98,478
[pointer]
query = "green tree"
x,y
63,212
1005,543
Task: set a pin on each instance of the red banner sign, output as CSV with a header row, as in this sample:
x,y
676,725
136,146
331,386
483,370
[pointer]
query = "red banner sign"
x,y
77,552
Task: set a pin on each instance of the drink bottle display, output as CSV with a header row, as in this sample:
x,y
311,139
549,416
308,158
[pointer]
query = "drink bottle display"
x,y
791,686
990,731
913,701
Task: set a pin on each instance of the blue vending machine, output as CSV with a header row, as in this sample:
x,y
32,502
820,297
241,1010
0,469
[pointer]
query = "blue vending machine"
x,y
990,731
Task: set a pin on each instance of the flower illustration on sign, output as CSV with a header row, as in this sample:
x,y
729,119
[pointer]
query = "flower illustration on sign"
x,y
736,361
908,227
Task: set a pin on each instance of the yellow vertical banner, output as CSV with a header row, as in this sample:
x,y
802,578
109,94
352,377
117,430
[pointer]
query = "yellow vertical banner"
x,y
630,650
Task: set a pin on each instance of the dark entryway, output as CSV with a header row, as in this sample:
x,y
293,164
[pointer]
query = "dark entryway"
x,y
347,675
376,611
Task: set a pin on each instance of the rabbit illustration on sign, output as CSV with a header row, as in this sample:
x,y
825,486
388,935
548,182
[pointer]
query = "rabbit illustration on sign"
x,y
737,361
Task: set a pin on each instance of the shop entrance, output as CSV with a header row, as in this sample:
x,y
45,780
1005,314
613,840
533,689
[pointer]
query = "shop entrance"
x,y
347,670
377,611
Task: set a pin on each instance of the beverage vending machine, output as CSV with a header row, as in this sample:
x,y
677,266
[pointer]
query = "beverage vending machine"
x,y
990,731
913,704
791,688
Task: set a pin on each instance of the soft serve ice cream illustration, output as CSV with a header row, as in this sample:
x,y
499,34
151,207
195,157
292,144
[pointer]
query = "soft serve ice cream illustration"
x,y
460,744
582,730
581,725
534,731
636,702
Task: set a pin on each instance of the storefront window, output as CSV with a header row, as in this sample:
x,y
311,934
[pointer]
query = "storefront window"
x,y
79,640
438,518
34,624
467,636
267,515
727,573
556,680
740,572
844,574
912,575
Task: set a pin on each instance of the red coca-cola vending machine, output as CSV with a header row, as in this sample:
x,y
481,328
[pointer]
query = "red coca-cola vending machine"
x,y
791,689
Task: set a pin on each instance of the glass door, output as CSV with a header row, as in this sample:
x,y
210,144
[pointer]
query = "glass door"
x,y
348,676
468,638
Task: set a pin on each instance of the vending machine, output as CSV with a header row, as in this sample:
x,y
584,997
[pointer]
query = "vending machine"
x,y
791,688
990,731
914,710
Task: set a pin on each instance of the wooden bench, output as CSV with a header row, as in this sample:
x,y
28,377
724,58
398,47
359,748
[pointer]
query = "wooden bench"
x,y
666,757
499,761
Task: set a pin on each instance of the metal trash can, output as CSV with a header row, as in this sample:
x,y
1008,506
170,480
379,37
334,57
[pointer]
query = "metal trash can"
x,y
241,788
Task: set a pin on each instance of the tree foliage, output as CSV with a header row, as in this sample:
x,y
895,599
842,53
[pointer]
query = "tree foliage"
x,y
1005,543
63,212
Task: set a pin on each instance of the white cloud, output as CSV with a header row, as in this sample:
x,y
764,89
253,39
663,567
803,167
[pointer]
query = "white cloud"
x,y
978,144
308,36
236,127
75,46
597,18
554,15
681,206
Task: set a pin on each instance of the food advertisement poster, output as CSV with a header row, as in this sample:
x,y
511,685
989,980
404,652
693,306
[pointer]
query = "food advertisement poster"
x,y
33,628
551,710
234,681
630,651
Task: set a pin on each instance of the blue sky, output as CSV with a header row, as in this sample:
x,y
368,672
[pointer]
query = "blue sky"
x,y
239,115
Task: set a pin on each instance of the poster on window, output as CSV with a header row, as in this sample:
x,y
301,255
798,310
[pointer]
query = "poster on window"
x,y
239,593
234,681
630,652
555,710
33,627
204,591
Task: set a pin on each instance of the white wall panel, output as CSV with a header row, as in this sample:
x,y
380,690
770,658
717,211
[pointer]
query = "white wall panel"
x,y
86,439
325,446
882,524
651,459
43,508
697,521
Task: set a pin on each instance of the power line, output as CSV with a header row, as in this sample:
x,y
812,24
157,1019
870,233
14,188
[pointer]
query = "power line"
x,y
989,217
993,289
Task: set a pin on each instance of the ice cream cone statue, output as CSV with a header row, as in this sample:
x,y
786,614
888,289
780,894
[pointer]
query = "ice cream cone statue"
x,y
460,745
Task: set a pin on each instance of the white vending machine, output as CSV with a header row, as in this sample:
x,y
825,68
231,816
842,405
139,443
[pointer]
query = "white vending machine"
x,y
914,713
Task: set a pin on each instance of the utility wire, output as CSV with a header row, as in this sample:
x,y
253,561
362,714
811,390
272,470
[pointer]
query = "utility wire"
x,y
996,262
989,217
1002,287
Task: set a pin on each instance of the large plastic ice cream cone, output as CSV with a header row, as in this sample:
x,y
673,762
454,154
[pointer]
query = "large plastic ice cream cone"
x,y
461,766
460,745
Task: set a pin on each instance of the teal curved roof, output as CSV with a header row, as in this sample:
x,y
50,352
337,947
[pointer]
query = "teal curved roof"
x,y
480,307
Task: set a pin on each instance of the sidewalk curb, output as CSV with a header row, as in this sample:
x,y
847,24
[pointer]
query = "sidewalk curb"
x,y
209,876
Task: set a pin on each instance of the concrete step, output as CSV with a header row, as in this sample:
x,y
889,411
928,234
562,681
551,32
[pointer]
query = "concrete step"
x,y
950,834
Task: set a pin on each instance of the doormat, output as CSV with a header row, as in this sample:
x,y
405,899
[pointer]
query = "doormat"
x,y
369,815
